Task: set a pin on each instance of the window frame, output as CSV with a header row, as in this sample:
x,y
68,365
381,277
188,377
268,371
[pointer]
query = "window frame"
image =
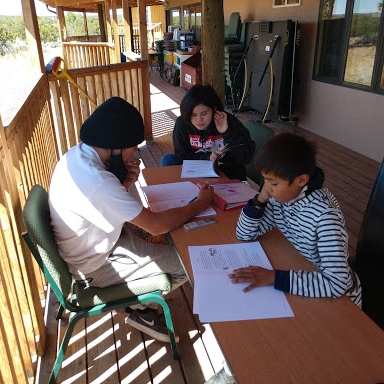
x,y
378,66
295,4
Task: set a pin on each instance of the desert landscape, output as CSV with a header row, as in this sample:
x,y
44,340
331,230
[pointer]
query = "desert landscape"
x,y
17,79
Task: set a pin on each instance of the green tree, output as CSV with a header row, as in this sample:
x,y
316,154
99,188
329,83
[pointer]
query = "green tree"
x,y
48,28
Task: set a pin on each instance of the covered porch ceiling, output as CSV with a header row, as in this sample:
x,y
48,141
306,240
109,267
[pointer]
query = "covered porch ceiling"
x,y
91,6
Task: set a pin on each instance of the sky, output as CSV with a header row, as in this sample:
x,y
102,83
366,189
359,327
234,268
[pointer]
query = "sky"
x,y
13,8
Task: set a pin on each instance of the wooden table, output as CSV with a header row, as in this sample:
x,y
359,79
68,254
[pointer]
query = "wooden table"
x,y
327,341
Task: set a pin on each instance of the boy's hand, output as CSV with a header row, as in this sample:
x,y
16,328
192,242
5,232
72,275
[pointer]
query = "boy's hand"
x,y
264,196
257,276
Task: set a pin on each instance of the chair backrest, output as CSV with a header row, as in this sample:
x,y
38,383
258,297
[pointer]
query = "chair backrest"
x,y
41,241
233,28
260,134
243,29
369,260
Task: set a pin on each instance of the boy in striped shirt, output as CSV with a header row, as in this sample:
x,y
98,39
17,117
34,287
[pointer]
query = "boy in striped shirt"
x,y
293,200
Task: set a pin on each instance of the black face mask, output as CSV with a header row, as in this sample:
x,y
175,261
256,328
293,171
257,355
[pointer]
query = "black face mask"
x,y
117,167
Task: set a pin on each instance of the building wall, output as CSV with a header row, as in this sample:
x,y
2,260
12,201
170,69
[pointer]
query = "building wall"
x,y
350,117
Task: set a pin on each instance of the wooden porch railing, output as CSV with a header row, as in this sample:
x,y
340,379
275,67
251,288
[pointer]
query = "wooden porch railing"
x,y
82,54
45,128
29,154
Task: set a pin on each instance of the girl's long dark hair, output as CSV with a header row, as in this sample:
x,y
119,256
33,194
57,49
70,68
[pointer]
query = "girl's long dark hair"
x,y
200,94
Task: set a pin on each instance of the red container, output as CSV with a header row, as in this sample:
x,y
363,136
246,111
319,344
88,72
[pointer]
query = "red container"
x,y
191,71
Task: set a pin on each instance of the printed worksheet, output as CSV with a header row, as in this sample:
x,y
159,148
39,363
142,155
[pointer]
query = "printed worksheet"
x,y
172,195
198,168
216,298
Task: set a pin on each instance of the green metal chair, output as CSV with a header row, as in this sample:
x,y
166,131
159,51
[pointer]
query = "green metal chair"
x,y
260,134
77,299
233,30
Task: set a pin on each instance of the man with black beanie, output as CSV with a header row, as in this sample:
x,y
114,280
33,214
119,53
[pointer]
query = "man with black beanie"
x,y
90,203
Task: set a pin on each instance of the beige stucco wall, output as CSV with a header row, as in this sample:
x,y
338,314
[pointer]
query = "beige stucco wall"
x,y
347,116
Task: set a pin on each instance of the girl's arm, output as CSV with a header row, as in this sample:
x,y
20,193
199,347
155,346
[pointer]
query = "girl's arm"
x,y
237,134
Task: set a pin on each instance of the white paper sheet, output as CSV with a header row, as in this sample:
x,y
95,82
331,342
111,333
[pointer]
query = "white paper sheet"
x,y
217,299
198,168
171,195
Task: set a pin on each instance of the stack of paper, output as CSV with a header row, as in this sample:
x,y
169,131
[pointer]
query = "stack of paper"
x,y
217,299
172,195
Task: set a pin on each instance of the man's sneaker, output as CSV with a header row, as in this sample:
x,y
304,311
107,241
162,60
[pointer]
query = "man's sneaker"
x,y
221,377
150,322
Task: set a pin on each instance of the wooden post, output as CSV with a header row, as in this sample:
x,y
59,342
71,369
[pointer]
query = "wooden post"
x,y
33,35
212,25
100,12
108,22
127,20
61,22
143,29
115,28
85,24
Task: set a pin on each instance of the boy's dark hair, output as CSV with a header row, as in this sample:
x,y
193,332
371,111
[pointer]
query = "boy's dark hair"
x,y
287,155
199,94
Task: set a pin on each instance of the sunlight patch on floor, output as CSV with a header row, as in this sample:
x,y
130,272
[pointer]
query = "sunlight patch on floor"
x,y
161,102
161,377
106,375
200,352
70,359
75,378
153,90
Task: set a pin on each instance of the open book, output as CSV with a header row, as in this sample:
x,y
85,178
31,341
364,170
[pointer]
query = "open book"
x,y
231,194
217,299
161,197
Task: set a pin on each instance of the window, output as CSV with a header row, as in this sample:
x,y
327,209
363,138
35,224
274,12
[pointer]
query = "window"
x,y
192,20
285,3
175,17
350,47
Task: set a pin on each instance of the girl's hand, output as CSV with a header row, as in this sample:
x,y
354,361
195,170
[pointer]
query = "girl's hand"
x,y
221,121
257,276
215,154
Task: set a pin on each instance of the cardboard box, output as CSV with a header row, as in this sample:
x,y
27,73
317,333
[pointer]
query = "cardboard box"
x,y
192,71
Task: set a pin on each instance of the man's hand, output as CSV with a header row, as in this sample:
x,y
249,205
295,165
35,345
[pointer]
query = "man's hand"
x,y
205,195
257,276
133,166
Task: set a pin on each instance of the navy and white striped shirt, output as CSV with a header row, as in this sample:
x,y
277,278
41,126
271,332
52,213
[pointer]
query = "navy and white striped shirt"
x,y
315,226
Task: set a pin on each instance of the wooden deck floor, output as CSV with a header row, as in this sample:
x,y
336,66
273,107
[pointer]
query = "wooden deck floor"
x,y
106,350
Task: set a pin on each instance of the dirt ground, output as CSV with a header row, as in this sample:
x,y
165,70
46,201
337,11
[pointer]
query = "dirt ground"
x,y
17,80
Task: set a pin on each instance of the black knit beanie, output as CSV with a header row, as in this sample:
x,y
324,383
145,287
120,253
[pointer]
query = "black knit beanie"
x,y
115,124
